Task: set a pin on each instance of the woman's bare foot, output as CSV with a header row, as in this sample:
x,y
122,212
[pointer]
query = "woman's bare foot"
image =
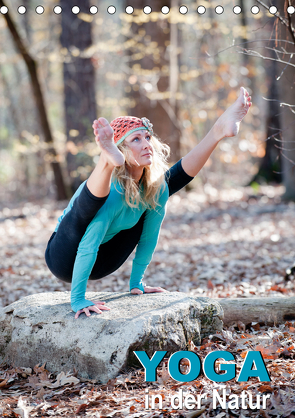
x,y
104,137
147,289
229,122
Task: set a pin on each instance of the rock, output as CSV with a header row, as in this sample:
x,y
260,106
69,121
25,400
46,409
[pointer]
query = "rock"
x,y
42,328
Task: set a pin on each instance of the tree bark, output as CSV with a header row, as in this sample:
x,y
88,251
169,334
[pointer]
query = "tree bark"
x,y
275,310
40,104
79,89
286,88
152,89
26,20
270,166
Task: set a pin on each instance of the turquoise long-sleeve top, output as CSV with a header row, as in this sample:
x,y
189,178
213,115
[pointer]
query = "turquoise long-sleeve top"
x,y
114,216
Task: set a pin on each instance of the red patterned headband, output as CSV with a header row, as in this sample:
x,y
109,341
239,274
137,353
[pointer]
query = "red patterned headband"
x,y
126,125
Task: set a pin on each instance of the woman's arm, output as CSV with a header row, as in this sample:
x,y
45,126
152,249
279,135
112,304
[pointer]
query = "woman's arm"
x,y
85,260
87,252
148,241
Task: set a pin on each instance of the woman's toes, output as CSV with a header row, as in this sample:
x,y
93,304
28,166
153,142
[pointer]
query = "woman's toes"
x,y
103,122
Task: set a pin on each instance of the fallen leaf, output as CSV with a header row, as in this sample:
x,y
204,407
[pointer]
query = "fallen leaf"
x,y
65,379
269,352
210,285
81,408
3,384
22,409
265,388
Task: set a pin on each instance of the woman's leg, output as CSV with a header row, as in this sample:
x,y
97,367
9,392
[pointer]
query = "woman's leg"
x,y
227,125
176,178
62,247
99,181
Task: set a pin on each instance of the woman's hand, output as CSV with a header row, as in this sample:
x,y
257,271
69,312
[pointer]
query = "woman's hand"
x,y
147,289
98,307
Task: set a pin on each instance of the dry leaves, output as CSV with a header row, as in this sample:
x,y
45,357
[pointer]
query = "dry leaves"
x,y
235,245
37,393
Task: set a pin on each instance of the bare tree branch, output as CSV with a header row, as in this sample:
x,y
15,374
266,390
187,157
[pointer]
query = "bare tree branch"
x,y
277,14
245,43
257,54
286,22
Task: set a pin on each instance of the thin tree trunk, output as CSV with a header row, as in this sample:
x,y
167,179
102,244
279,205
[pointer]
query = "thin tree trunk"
x,y
26,21
286,88
244,27
79,88
38,96
270,165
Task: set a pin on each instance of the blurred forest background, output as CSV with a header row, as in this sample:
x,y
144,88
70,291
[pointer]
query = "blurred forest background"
x,y
179,70
230,235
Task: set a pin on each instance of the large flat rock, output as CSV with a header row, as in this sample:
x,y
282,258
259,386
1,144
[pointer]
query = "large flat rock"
x,y
42,328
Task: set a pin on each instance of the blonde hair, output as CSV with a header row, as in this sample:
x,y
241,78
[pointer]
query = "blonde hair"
x,y
153,178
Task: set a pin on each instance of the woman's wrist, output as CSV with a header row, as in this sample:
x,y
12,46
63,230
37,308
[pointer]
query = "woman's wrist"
x,y
81,304
139,286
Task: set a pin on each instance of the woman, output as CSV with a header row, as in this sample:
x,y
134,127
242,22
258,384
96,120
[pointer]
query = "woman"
x,y
122,204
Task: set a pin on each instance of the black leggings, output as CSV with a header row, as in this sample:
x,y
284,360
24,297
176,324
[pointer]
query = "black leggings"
x,y
62,247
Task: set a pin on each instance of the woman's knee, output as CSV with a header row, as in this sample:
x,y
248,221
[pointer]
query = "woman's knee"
x,y
59,265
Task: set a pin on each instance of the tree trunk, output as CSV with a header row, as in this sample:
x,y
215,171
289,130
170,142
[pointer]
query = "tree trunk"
x,y
244,27
154,80
26,20
286,84
271,165
79,89
40,104
276,310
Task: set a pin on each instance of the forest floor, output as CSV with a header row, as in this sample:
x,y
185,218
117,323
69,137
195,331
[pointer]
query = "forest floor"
x,y
231,243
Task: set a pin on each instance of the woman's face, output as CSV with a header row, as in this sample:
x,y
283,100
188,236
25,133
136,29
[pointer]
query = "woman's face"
x,y
139,143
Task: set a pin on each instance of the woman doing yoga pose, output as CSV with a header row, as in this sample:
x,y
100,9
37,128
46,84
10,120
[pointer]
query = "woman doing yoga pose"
x,y
122,204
